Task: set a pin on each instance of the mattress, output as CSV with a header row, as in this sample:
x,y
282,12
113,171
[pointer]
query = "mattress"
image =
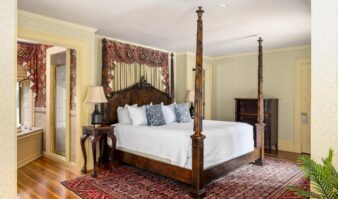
x,y
171,143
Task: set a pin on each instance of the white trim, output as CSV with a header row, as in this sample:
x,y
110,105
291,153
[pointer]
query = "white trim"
x,y
58,158
190,53
26,134
264,51
56,21
128,42
28,160
53,156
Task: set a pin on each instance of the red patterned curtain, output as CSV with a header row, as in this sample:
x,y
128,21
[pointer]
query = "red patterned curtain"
x,y
72,78
33,57
118,52
40,100
26,55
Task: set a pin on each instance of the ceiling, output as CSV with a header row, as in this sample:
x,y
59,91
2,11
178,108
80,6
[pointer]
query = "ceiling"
x,y
171,24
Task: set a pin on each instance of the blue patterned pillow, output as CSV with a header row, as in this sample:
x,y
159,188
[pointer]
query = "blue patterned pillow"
x,y
155,115
182,113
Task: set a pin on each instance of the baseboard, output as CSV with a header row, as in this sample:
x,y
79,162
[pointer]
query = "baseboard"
x,y
286,145
58,158
28,160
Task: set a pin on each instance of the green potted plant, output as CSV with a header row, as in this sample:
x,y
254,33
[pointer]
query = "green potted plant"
x,y
324,178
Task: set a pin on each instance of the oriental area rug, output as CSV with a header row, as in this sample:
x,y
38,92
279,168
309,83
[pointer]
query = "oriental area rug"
x,y
247,182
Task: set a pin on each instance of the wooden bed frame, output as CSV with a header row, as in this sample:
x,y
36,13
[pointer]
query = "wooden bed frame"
x,y
143,93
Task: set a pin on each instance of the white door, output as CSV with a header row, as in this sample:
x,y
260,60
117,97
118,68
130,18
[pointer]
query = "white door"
x,y
303,104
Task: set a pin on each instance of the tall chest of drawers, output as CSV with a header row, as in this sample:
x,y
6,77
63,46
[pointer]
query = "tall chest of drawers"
x,y
246,111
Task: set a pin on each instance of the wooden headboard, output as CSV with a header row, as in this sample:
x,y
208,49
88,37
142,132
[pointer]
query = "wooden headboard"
x,y
140,93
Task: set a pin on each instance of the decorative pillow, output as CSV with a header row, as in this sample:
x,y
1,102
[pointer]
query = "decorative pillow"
x,y
138,115
169,113
182,113
155,115
123,116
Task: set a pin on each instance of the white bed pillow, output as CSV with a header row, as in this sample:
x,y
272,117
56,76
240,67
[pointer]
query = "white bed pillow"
x,y
138,115
169,113
123,116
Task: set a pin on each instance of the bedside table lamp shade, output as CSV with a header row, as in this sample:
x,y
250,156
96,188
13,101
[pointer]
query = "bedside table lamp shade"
x,y
96,96
190,96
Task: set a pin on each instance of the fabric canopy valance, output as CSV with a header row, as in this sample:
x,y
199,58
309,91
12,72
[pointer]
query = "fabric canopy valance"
x,y
26,53
114,52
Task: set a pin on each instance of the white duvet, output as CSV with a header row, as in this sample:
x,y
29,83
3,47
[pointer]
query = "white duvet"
x,y
172,142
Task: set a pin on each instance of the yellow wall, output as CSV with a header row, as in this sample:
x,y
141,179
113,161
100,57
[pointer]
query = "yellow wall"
x,y
324,77
181,75
8,164
82,39
236,76
185,63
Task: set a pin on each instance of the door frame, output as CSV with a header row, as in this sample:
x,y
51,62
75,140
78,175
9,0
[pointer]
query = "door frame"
x,y
50,104
297,126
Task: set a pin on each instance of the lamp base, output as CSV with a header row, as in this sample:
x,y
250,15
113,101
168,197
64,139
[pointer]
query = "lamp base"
x,y
192,111
96,116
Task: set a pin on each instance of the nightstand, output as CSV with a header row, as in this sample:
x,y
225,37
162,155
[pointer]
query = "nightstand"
x,y
96,134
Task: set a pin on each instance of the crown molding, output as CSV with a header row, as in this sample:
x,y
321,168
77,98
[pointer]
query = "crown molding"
x,y
56,21
128,42
264,51
193,54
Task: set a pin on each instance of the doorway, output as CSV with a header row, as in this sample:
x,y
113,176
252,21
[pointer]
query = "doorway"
x,y
303,105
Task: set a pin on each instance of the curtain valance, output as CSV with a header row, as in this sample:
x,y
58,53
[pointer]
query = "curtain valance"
x,y
33,58
116,52
26,53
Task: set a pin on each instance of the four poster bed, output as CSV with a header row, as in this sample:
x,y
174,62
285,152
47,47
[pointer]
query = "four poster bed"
x,y
194,171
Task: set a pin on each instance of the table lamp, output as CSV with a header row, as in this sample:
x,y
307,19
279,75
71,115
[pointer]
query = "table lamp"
x,y
190,97
96,96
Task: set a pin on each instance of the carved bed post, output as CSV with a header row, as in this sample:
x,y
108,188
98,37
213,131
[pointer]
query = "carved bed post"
x,y
197,190
260,106
172,77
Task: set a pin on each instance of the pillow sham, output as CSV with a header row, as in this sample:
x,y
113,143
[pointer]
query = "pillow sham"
x,y
123,116
169,113
182,113
155,115
138,115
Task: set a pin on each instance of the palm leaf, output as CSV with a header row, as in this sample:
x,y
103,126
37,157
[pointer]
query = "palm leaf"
x,y
323,176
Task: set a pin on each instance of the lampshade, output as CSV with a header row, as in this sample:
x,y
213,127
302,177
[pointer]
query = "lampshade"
x,y
190,96
95,95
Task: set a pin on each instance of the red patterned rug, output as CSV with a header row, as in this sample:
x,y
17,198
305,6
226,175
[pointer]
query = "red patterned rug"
x,y
249,182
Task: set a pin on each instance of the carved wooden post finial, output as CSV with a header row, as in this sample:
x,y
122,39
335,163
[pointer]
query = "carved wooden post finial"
x,y
199,12
260,40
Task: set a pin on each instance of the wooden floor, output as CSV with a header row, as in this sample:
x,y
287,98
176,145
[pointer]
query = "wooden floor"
x,y
41,178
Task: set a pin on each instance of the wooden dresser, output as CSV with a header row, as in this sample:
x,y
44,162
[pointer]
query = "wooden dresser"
x,y
246,111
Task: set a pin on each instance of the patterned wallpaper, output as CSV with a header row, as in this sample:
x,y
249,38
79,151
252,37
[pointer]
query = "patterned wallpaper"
x,y
8,141
324,80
